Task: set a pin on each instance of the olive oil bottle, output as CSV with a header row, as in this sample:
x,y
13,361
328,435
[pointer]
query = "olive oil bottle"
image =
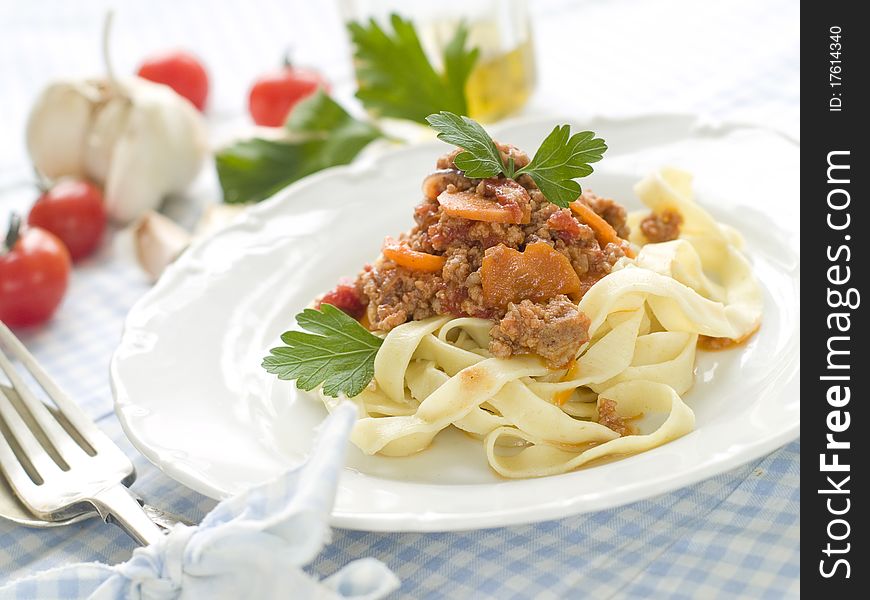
x,y
501,84
504,75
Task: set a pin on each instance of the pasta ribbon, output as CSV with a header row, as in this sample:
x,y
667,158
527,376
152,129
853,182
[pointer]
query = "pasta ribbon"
x,y
645,319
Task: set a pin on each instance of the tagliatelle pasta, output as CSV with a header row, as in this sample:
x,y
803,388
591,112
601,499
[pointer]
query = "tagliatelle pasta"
x,y
645,318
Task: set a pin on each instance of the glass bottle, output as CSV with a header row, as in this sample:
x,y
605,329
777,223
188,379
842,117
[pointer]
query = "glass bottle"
x,y
504,75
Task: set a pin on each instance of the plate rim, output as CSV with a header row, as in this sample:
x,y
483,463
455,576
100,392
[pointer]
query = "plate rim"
x,y
438,521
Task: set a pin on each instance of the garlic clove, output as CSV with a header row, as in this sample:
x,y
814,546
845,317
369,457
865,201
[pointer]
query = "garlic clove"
x,y
108,126
136,181
157,241
58,126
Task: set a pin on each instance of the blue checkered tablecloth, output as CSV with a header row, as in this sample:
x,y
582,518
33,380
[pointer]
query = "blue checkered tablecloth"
x,y
735,535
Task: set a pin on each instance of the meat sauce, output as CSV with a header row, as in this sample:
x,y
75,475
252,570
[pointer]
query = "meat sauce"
x,y
662,227
466,222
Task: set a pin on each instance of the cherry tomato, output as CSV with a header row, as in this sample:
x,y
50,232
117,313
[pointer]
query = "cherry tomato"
x,y
345,298
73,210
273,95
181,71
34,272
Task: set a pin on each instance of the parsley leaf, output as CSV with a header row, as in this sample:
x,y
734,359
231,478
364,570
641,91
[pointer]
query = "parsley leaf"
x,y
322,134
252,170
338,353
481,158
560,160
395,77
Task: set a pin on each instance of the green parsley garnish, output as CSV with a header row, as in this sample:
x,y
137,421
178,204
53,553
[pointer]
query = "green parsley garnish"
x,y
395,76
321,134
560,159
480,158
338,353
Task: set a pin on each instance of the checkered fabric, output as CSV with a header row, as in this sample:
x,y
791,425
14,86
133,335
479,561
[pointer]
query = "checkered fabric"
x,y
277,526
735,535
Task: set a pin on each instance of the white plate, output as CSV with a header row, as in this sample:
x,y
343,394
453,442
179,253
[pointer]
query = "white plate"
x,y
192,397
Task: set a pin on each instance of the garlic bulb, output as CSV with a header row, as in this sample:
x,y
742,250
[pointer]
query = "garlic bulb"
x,y
140,140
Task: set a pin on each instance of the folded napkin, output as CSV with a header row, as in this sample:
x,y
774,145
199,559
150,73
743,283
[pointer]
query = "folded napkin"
x,y
250,546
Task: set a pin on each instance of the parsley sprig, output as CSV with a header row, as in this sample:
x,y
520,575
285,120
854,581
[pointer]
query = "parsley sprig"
x,y
395,76
560,159
320,134
337,352
480,158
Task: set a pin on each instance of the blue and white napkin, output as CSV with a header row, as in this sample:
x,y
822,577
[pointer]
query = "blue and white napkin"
x,y
253,545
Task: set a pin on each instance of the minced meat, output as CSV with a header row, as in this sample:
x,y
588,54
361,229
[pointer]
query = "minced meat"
x,y
554,330
609,210
395,294
608,417
661,227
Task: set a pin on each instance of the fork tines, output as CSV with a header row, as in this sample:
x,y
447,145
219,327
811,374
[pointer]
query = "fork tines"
x,y
39,442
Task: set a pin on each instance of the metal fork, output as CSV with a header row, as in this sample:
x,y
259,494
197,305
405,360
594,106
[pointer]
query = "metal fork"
x,y
57,461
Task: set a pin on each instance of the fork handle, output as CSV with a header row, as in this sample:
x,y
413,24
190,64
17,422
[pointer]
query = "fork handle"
x,y
163,519
118,505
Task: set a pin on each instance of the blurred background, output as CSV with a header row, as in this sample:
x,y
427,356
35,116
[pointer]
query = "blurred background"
x,y
735,60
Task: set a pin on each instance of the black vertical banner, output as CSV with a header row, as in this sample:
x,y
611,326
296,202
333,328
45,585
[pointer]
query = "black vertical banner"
x,y
834,175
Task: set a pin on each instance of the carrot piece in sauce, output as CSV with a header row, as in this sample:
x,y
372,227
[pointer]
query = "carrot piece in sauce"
x,y
604,232
403,256
538,273
470,205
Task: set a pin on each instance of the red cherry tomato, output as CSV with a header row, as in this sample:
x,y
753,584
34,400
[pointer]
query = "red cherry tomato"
x,y
73,210
181,71
273,95
34,272
345,298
